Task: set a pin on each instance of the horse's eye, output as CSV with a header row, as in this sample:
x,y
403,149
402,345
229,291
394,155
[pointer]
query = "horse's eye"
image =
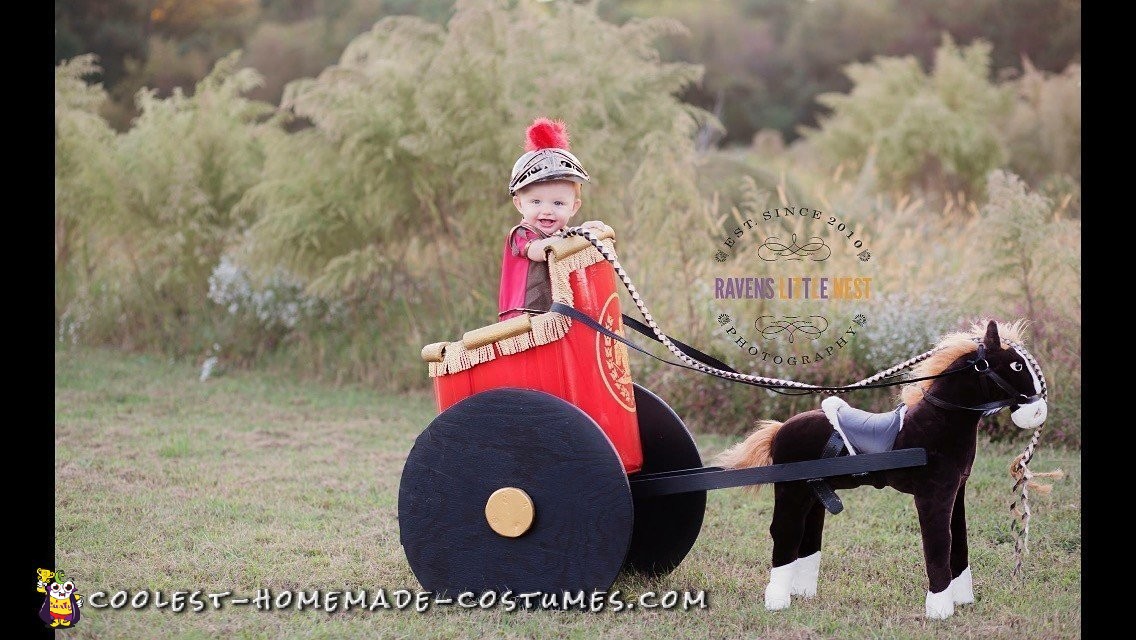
x,y
1016,366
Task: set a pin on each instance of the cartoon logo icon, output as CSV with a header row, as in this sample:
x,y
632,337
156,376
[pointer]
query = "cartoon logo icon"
x,y
61,604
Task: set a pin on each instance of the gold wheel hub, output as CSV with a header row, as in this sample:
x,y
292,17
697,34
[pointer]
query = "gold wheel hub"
x,y
510,512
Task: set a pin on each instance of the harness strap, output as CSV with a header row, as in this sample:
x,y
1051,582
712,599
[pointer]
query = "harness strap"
x,y
823,491
706,359
1001,382
982,408
580,316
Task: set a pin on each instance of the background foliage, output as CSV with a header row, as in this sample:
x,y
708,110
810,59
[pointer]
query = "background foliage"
x,y
319,186
766,60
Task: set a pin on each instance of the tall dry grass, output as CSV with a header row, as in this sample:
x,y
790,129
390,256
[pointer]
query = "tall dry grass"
x,y
938,263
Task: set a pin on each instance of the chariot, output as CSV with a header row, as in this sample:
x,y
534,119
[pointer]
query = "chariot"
x,y
548,469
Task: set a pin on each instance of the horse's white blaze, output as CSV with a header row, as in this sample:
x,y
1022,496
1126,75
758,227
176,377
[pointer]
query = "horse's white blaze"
x,y
1032,415
1033,374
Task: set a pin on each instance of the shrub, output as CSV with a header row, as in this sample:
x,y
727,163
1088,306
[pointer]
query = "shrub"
x,y
85,171
396,192
1034,263
932,130
1044,130
159,201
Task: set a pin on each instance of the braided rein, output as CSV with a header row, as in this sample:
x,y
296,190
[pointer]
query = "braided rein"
x,y
763,381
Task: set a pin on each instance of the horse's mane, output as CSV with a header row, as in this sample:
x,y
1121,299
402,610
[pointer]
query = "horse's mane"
x,y
952,347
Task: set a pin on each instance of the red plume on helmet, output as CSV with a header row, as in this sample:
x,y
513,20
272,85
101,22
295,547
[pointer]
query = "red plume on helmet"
x,y
546,157
545,134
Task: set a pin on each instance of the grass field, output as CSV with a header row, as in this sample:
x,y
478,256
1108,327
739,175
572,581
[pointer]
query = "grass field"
x,y
253,481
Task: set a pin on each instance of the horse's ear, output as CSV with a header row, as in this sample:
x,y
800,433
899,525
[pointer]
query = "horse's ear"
x,y
991,340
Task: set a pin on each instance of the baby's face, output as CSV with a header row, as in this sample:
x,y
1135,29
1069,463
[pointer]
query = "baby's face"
x,y
547,205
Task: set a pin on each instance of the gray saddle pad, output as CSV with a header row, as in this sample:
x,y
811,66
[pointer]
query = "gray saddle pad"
x,y
865,431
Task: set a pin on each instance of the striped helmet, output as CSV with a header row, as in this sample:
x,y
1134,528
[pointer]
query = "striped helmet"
x,y
546,157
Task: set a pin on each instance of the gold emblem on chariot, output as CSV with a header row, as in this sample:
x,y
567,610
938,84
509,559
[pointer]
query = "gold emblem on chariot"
x,y
612,356
510,511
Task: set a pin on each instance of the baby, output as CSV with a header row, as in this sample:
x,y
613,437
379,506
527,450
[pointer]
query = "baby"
x,y
546,186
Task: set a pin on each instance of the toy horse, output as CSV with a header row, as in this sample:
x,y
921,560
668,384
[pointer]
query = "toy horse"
x,y
968,375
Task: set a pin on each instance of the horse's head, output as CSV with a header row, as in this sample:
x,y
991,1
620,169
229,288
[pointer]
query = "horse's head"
x,y
984,371
1012,370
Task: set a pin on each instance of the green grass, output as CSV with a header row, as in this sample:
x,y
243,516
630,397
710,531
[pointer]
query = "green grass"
x,y
255,481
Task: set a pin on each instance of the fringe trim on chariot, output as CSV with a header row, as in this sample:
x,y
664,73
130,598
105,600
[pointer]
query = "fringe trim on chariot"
x,y
516,334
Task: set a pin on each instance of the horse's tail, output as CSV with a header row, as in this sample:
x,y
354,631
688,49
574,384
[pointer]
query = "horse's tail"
x,y
754,451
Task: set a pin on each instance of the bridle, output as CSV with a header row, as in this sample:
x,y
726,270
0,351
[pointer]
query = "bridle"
x,y
988,379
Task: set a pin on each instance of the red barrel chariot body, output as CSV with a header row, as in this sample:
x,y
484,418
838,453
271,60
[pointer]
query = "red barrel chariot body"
x,y
522,481
548,352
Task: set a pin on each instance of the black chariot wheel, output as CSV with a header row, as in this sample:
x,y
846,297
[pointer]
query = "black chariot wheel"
x,y
513,489
666,527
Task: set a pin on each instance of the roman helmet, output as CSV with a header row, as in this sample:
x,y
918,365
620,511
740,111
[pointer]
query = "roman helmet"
x,y
546,157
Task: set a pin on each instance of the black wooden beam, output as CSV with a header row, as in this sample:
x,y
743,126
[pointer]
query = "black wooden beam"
x,y
704,478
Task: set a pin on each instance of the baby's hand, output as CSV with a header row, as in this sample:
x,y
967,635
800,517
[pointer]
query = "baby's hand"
x,y
598,224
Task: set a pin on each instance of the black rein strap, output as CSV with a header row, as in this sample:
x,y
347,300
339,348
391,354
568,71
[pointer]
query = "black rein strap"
x,y
685,348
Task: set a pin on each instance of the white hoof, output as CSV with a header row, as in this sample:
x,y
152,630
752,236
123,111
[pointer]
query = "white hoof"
x,y
962,588
805,578
780,584
940,605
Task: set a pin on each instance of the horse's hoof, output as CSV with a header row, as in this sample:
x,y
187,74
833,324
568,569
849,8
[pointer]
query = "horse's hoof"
x,y
962,588
805,577
776,599
780,584
940,605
